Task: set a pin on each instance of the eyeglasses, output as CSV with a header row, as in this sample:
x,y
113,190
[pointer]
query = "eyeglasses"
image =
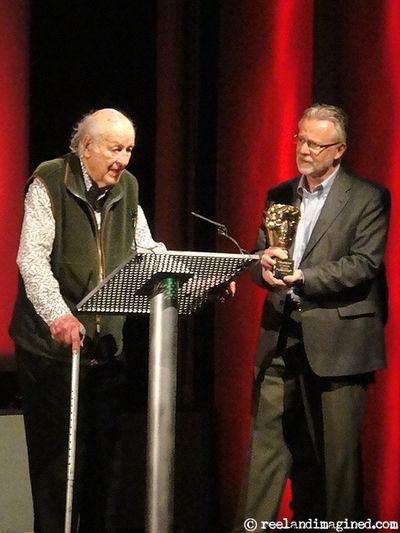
x,y
314,147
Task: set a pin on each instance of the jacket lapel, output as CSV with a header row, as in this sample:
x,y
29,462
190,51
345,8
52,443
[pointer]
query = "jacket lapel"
x,y
334,204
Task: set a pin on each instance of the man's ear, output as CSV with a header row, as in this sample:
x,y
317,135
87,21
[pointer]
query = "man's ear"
x,y
86,143
340,151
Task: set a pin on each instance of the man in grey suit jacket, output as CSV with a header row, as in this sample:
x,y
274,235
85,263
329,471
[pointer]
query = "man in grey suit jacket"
x,y
321,335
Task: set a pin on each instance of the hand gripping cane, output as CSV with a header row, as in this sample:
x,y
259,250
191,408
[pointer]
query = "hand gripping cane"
x,y
72,434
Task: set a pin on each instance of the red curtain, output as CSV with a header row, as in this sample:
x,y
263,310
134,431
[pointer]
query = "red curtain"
x,y
265,83
371,92
14,149
266,70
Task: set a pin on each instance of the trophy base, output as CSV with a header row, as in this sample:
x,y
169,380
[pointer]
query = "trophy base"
x,y
283,267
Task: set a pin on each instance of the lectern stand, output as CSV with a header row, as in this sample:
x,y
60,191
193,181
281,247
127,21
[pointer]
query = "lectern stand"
x,y
164,285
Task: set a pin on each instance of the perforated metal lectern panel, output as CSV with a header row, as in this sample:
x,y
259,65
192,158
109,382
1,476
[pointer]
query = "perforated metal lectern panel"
x,y
129,288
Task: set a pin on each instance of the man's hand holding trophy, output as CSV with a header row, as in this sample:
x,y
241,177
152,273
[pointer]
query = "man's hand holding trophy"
x,y
280,225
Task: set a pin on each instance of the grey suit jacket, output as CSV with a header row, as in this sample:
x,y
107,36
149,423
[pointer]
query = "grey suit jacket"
x,y
344,295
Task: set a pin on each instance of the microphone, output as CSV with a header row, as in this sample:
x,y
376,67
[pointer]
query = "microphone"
x,y
221,230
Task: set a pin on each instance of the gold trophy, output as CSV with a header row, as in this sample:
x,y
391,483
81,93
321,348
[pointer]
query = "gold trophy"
x,y
280,225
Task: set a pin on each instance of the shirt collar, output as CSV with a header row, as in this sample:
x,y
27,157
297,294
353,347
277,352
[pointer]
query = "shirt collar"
x,y
323,188
89,183
86,177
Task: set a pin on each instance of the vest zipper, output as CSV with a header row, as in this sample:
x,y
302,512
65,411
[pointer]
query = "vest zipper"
x,y
99,243
100,257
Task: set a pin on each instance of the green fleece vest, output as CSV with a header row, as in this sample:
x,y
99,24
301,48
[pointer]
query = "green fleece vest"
x,y
82,254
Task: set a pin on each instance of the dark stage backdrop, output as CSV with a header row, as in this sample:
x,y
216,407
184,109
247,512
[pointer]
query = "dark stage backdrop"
x,y
215,89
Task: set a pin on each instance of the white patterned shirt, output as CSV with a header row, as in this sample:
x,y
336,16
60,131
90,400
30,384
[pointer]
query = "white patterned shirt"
x,y
35,247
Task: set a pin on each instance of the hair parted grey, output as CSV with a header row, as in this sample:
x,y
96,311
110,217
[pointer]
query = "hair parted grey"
x,y
334,114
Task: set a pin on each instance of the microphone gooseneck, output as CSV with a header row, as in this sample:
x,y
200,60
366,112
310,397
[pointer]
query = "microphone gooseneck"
x,y
221,230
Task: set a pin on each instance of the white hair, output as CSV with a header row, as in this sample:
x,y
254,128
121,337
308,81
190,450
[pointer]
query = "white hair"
x,y
94,124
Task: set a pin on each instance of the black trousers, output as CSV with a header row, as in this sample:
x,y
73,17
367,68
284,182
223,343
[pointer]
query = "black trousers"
x,y
308,429
45,386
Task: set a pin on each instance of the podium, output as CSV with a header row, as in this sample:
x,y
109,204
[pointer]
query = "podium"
x,y
164,285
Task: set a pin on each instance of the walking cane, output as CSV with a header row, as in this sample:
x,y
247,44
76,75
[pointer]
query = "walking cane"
x,y
76,354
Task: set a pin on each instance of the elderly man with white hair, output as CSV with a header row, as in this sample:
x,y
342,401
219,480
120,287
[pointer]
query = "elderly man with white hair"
x,y
81,221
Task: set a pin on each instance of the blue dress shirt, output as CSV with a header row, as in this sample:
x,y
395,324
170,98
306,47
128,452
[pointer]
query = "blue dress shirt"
x,y
310,209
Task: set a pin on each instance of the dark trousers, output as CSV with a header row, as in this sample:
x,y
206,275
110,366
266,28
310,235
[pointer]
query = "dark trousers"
x,y
308,429
45,386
